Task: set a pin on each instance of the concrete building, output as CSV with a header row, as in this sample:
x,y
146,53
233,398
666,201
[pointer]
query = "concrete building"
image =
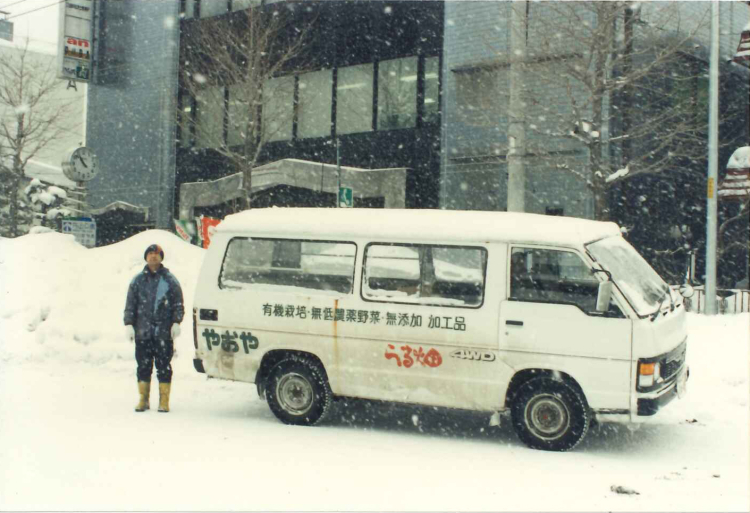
x,y
448,60
663,212
146,156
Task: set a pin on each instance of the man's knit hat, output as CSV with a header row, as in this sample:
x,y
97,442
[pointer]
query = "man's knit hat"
x,y
154,248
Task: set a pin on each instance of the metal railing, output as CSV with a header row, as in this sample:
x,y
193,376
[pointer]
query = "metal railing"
x,y
728,300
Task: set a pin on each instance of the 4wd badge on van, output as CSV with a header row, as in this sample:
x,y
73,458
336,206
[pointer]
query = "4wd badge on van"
x,y
468,354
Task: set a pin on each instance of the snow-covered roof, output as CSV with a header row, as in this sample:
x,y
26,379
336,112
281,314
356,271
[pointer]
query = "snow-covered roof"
x,y
406,225
47,173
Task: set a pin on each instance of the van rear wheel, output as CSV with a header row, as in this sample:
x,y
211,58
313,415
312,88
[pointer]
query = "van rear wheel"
x,y
298,391
550,415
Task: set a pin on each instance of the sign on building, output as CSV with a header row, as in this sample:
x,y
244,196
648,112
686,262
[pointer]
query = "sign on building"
x,y
74,49
206,229
736,185
6,30
82,228
185,230
346,197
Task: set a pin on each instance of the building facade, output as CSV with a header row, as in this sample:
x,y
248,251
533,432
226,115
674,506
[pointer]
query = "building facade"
x,y
422,85
372,87
664,211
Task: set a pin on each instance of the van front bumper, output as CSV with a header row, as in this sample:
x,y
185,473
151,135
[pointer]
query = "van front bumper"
x,y
650,405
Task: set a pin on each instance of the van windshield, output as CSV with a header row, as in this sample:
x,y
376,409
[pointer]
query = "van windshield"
x,y
642,286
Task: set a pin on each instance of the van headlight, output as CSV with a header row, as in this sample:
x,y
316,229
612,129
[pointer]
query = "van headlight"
x,y
648,374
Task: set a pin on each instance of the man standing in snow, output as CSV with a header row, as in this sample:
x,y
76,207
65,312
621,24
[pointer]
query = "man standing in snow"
x,y
153,313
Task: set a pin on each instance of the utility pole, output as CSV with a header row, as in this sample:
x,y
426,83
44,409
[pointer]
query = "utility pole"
x,y
517,109
713,163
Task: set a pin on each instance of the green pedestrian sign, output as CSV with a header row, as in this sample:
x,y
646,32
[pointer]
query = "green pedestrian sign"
x,y
346,197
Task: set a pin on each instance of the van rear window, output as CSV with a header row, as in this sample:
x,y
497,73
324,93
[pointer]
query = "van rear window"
x,y
425,274
289,264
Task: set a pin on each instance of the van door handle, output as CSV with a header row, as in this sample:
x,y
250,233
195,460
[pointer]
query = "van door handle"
x,y
514,323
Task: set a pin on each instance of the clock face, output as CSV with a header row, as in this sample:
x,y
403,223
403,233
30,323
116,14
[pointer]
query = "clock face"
x,y
82,165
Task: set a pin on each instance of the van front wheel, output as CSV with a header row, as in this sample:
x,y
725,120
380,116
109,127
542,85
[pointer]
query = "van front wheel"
x,y
298,391
550,415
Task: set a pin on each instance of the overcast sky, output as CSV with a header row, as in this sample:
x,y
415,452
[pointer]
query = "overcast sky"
x,y
39,27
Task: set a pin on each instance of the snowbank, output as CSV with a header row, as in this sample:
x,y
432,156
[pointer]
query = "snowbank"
x,y
64,302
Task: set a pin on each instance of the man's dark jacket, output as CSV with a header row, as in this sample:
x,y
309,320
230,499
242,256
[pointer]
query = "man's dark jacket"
x,y
154,303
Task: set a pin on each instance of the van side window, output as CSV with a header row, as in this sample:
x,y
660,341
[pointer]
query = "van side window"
x,y
425,274
550,276
279,263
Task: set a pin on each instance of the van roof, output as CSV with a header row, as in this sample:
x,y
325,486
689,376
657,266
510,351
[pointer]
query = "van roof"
x,y
414,225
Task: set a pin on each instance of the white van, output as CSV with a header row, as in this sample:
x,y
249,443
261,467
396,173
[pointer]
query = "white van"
x,y
558,321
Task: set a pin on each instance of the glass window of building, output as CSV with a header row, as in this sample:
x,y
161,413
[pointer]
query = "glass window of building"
x,y
478,97
209,130
278,108
354,99
213,8
397,93
238,113
431,89
186,121
314,108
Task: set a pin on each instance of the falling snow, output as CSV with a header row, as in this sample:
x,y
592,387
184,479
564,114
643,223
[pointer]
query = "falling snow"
x,y
68,385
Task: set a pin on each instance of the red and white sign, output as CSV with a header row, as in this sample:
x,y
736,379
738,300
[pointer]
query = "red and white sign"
x,y
743,50
206,227
75,50
736,185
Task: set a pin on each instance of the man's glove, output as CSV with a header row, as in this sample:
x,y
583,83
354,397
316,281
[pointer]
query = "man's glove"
x,y
130,332
175,331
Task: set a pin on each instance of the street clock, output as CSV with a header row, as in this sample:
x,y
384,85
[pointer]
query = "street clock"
x,y
81,164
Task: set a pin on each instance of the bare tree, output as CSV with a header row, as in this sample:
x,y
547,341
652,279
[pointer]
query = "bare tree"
x,y
598,76
240,63
32,115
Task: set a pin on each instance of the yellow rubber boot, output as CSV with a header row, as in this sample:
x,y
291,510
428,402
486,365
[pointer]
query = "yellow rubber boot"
x,y
164,389
144,388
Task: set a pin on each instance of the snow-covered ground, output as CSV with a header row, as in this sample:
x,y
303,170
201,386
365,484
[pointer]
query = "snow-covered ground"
x,y
70,440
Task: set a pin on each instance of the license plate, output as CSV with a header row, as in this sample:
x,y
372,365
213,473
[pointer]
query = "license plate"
x,y
682,384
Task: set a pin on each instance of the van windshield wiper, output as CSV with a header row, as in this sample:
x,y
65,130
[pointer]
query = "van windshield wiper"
x,y
671,299
655,314
667,294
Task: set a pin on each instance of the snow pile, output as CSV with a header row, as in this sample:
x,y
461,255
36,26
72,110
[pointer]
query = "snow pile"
x,y
740,159
64,302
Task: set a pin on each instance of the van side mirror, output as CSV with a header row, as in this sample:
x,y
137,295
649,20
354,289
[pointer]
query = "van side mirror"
x,y
604,296
686,290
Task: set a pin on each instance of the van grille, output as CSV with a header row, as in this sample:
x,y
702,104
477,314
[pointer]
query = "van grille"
x,y
673,363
